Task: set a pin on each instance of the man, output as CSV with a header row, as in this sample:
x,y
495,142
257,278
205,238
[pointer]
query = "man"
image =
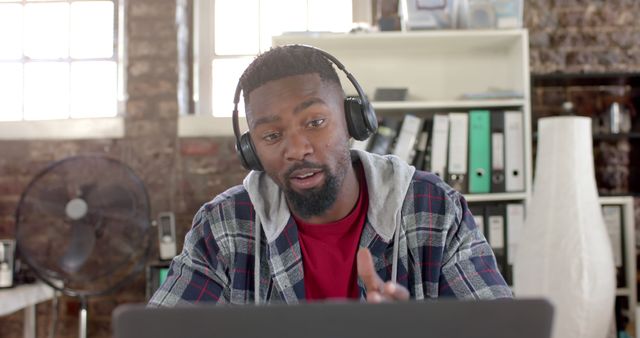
x,y
331,223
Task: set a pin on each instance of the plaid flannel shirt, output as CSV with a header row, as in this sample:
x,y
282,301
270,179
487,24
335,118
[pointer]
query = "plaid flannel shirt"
x,y
441,253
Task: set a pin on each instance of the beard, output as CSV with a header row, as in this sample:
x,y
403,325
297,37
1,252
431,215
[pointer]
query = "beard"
x,y
316,201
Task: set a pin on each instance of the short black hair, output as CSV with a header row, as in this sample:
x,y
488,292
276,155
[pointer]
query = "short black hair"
x,y
283,61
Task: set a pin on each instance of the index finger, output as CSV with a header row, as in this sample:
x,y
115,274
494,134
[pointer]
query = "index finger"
x,y
367,272
395,291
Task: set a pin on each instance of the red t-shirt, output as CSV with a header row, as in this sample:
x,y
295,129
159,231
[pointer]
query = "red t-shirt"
x,y
329,251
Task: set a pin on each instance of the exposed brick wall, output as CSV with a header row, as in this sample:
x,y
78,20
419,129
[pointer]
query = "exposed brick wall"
x,y
583,36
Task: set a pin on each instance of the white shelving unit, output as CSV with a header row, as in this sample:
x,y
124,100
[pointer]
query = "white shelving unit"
x,y
629,252
496,197
456,104
437,68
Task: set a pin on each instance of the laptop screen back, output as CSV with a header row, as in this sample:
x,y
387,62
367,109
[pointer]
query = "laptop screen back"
x,y
439,319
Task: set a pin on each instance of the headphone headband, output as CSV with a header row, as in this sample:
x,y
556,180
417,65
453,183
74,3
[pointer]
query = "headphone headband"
x,y
234,114
361,118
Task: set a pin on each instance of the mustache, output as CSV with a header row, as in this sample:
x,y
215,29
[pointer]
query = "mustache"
x,y
304,165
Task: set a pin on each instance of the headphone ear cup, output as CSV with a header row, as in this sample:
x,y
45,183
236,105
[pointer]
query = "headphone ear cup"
x,y
361,120
370,118
247,153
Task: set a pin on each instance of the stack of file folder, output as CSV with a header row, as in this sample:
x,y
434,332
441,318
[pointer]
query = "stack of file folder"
x,y
476,152
501,224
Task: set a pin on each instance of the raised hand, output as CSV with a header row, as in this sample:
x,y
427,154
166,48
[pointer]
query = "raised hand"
x,y
377,290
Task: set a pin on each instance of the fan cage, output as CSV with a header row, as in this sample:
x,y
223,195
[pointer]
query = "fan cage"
x,y
58,284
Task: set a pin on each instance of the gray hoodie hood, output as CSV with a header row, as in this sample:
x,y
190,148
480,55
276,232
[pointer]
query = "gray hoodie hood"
x,y
388,178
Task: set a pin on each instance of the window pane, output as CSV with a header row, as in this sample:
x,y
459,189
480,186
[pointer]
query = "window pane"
x,y
92,29
226,73
47,30
10,31
93,89
278,16
46,89
236,27
10,91
330,15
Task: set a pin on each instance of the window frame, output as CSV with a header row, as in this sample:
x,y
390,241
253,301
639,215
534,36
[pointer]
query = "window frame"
x,y
76,127
190,125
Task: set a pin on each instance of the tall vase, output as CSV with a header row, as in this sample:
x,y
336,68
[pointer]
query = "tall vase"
x,y
564,253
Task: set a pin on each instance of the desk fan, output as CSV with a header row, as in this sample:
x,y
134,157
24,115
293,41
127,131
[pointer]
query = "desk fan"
x,y
82,225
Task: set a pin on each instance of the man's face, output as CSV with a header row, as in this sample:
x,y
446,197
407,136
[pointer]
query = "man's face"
x,y
298,127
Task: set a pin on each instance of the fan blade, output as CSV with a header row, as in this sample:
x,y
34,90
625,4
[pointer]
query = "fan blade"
x,y
112,198
83,240
52,201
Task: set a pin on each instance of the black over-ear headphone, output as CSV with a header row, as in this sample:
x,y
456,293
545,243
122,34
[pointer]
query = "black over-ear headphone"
x,y
361,118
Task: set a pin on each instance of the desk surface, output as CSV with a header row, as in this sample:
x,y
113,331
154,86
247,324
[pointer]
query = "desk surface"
x,y
19,297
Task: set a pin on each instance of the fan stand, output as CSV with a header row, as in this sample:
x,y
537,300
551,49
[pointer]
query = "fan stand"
x,y
82,325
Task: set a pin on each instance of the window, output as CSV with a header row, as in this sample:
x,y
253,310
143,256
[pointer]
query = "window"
x,y
59,59
230,33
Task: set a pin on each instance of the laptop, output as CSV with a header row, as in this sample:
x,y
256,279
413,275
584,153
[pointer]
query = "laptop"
x,y
523,318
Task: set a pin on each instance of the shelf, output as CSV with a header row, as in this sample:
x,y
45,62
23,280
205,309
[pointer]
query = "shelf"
x,y
509,196
608,137
453,104
158,263
455,39
622,292
585,79
615,137
619,195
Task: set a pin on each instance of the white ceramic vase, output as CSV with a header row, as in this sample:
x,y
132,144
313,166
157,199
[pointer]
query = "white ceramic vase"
x,y
564,253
